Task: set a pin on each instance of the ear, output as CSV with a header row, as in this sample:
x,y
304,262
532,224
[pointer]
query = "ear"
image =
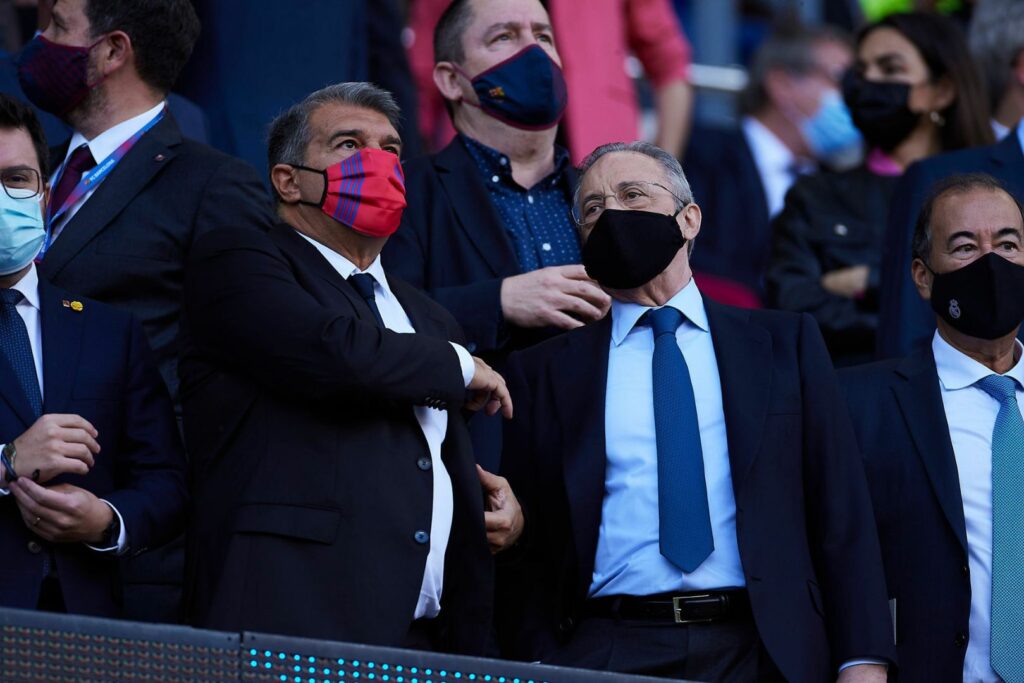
x,y
944,92
446,78
689,221
922,279
285,180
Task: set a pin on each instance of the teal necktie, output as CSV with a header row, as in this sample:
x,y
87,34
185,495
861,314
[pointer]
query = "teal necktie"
x,y
1007,538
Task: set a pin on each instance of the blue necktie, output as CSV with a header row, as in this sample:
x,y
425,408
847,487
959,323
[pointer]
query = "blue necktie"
x,y
1007,650
16,347
685,523
363,282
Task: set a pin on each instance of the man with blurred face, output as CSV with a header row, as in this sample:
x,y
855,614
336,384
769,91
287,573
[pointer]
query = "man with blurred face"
x,y
943,437
695,506
342,502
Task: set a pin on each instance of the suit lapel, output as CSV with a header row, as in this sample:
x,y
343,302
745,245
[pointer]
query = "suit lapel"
x,y
920,402
423,319
12,393
151,154
62,341
473,209
579,373
744,354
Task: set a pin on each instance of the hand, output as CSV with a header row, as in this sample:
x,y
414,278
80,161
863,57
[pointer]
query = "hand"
x,y
61,513
848,282
488,390
503,517
559,296
863,673
55,445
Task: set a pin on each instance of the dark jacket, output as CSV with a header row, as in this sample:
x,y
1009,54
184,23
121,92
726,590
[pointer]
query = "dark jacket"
x,y
831,220
906,321
803,515
900,423
312,479
95,364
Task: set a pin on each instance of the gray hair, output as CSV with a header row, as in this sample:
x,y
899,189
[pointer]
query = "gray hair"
x,y
290,132
996,37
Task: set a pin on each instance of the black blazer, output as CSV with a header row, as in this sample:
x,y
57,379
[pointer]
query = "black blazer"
x,y
897,412
906,321
95,364
311,476
128,243
735,238
803,515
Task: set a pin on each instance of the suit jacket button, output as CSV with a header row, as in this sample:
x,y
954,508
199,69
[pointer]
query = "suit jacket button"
x,y
424,463
566,625
471,347
965,570
421,537
961,638
34,548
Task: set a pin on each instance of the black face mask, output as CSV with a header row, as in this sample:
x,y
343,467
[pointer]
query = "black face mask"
x,y
879,110
628,249
984,299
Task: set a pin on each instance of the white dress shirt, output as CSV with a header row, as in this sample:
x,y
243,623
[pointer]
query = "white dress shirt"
x,y
776,165
102,146
433,422
628,559
971,415
28,309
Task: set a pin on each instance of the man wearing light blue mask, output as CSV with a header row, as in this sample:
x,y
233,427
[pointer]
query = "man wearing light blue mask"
x,y
89,449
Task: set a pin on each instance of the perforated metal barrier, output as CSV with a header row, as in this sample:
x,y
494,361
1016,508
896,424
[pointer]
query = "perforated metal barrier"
x,y
37,647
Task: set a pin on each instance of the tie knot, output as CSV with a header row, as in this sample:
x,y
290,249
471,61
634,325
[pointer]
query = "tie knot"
x,y
665,320
999,387
363,282
81,160
11,297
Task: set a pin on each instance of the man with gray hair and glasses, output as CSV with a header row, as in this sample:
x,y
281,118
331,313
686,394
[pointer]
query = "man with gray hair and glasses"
x,y
334,485
695,504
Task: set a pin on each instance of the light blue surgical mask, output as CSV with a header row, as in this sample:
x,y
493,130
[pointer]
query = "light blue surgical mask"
x,y
830,132
22,230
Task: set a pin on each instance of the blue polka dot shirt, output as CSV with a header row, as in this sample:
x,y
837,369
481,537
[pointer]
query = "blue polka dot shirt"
x,y
538,220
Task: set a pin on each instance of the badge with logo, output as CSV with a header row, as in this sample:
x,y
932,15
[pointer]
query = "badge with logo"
x,y
497,92
954,309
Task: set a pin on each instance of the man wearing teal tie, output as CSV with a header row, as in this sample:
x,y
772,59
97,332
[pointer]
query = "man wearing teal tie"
x,y
943,441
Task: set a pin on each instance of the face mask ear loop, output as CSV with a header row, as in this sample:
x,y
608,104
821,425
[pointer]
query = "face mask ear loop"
x,y
323,195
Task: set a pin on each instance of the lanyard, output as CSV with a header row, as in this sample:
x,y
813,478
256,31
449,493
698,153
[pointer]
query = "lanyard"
x,y
91,180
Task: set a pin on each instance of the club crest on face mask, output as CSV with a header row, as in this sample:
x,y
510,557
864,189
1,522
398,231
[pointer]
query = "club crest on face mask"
x,y
525,91
983,299
366,192
22,231
55,77
628,249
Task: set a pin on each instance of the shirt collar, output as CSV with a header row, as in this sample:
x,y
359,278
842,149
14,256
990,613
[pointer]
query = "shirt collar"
x,y
957,370
687,301
770,153
28,285
345,268
492,162
104,144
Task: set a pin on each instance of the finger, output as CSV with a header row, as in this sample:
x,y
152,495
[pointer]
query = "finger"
x,y
563,321
581,307
79,436
574,272
75,422
78,453
490,481
54,499
477,400
591,292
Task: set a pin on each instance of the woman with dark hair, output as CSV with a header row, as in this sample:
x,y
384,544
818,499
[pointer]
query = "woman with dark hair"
x,y
913,92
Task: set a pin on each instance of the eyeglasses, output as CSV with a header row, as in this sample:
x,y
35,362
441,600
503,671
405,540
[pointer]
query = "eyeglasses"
x,y
636,196
21,183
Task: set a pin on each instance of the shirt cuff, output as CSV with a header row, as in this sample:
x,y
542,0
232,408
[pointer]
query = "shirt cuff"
x,y
122,537
466,362
3,481
858,662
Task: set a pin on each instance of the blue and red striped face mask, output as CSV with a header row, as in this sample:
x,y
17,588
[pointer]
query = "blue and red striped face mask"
x,y
366,192
55,77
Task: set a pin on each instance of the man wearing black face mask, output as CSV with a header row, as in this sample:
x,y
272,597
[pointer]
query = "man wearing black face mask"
x,y
695,507
943,438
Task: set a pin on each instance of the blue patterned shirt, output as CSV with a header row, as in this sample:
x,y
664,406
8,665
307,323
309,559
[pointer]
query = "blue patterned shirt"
x,y
538,221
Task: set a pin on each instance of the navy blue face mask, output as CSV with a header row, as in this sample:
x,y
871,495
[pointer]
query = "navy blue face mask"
x,y
525,91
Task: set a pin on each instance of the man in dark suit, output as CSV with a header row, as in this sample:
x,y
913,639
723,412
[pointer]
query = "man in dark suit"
x,y
758,160
941,433
84,418
121,232
906,323
334,486
488,232
718,532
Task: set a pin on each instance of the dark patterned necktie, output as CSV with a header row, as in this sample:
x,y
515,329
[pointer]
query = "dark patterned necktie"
x,y
14,344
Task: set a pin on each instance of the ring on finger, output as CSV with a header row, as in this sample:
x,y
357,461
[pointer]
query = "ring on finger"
x,y
36,521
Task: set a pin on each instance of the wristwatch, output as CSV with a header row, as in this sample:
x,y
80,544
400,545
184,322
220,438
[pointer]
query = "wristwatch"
x,y
8,456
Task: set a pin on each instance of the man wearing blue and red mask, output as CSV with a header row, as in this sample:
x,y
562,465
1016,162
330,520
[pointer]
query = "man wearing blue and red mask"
x,y
334,484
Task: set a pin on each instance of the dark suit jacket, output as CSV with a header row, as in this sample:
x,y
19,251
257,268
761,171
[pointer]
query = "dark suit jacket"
x,y
310,471
906,321
128,243
735,238
897,412
95,364
803,515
